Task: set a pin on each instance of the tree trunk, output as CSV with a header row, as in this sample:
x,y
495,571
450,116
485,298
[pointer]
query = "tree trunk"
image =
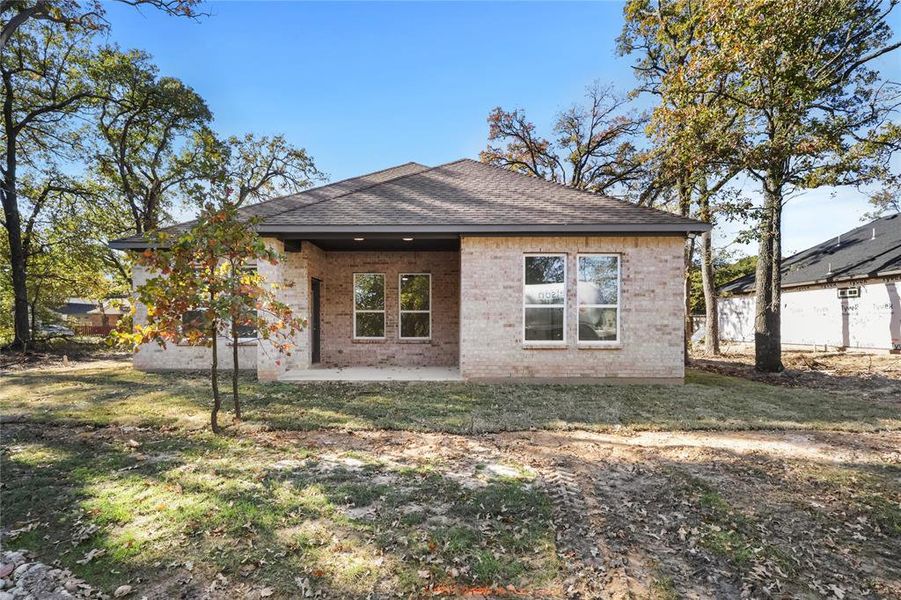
x,y
708,279
712,319
34,317
13,223
686,291
685,211
214,379
235,371
767,325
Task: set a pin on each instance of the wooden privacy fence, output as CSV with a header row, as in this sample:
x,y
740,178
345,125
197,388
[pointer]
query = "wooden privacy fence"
x,y
92,329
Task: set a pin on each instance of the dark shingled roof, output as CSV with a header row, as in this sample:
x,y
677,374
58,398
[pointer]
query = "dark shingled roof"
x,y
75,308
871,250
275,206
464,196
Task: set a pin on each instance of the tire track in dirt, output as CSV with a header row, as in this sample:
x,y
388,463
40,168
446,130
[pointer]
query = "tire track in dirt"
x,y
594,568
573,534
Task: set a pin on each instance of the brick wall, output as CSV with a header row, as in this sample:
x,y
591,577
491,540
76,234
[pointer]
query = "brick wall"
x,y
651,305
484,335
152,357
291,279
339,349
271,362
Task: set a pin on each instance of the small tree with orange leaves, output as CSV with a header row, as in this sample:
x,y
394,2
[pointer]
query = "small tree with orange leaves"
x,y
205,290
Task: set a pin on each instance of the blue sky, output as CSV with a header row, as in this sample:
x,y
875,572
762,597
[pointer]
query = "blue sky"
x,y
363,86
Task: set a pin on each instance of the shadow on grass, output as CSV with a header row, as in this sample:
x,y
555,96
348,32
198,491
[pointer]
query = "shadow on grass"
x,y
346,525
702,521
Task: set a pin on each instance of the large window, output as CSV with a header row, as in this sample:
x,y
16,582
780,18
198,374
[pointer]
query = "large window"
x,y
415,306
544,298
598,296
369,305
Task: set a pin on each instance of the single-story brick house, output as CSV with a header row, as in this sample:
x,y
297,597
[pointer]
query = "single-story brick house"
x,y
844,293
488,274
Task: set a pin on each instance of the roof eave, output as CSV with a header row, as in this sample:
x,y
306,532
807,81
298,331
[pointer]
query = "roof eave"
x,y
672,228
131,244
749,287
520,229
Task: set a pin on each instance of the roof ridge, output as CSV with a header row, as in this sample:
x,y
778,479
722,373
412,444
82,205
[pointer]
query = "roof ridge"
x,y
631,205
575,189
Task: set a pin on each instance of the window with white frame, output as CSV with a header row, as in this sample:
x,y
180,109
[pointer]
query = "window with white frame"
x,y
415,306
544,298
598,297
369,305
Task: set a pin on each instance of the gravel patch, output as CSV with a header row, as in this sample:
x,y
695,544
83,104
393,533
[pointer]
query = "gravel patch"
x,y
32,580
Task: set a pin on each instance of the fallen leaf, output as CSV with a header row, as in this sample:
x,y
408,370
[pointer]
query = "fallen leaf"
x,y
91,555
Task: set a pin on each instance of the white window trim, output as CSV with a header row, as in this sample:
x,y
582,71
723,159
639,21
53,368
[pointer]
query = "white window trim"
x,y
618,306
382,311
401,311
522,299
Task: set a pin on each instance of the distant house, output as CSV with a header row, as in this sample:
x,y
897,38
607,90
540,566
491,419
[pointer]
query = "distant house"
x,y
843,293
468,270
93,316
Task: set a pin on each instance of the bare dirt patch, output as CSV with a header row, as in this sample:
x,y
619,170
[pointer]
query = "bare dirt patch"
x,y
698,514
654,514
875,376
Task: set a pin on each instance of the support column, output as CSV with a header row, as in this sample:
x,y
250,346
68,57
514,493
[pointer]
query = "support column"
x,y
289,279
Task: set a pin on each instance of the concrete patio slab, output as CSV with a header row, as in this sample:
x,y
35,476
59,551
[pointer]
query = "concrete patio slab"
x,y
372,374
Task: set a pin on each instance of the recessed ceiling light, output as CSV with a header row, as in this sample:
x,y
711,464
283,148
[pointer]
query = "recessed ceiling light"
x,y
408,239
359,239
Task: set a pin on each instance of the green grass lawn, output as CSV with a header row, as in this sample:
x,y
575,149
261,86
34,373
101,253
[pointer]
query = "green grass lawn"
x,y
197,505
114,474
706,401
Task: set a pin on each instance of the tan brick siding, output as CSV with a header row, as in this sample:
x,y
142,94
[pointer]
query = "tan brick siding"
x,y
651,305
292,280
153,357
271,362
484,334
339,349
